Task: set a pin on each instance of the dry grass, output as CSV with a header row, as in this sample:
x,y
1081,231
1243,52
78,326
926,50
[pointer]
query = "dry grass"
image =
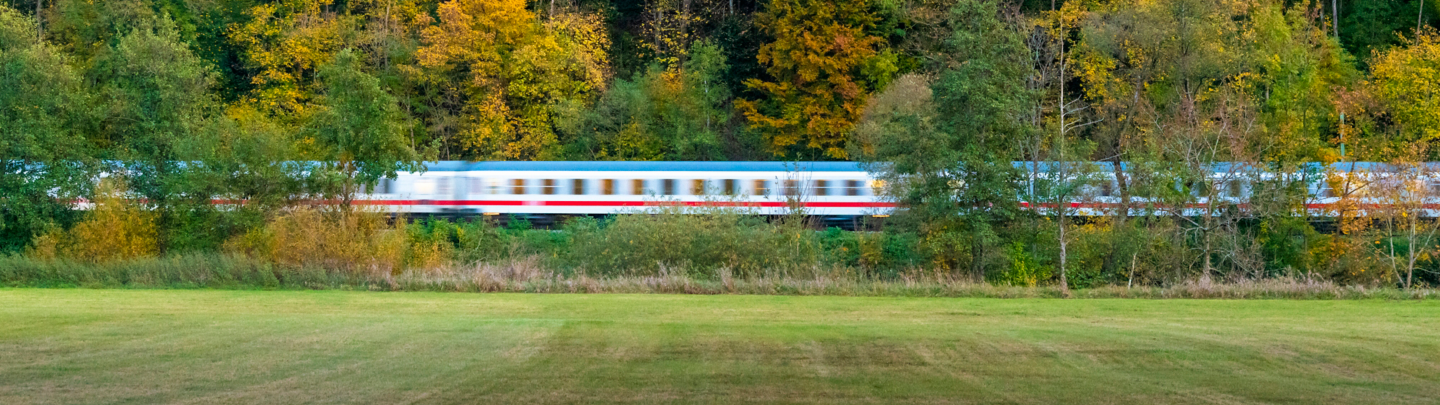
x,y
529,275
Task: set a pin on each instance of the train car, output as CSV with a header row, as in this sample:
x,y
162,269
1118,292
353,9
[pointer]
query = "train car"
x,y
836,191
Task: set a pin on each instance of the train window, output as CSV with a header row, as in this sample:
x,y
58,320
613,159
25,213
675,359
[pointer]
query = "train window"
x,y
1106,188
386,185
577,186
548,187
494,187
792,187
731,188
822,187
637,187
667,186
1433,187
697,187
852,187
761,187
607,186
477,185
517,186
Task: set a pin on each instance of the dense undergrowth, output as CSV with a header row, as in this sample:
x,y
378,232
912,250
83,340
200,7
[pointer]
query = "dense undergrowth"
x,y
668,249
212,271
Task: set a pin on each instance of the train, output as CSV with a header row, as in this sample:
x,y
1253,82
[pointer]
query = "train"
x,y
837,192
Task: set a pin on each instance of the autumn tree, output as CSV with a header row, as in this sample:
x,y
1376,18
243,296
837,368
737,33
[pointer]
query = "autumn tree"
x,y
822,65
503,71
283,44
1406,81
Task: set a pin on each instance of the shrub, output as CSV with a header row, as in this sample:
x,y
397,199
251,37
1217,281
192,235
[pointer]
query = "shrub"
x,y
695,239
115,228
354,241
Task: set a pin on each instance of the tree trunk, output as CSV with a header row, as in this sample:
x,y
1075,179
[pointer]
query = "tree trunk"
x,y
1122,217
1335,18
977,265
1064,281
1420,19
1205,278
39,20
1410,263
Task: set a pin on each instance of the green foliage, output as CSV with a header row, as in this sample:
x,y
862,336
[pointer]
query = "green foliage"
x,y
663,114
359,135
46,158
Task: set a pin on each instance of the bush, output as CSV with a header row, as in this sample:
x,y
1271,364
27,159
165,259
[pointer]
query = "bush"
x,y
115,228
692,239
353,241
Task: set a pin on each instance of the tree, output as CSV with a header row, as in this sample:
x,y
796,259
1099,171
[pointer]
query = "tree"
x,y
823,63
46,156
1406,81
503,73
948,147
1400,194
670,114
283,44
157,107
359,132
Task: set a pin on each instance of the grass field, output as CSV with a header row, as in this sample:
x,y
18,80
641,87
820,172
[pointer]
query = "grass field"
x,y
156,346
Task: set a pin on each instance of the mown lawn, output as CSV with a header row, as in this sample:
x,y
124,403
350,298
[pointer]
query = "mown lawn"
x,y
127,346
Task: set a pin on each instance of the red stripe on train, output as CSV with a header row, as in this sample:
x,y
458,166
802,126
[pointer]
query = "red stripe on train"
x,y
535,203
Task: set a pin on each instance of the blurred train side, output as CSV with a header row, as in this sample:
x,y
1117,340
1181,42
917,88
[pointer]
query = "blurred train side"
x,y
835,191
832,190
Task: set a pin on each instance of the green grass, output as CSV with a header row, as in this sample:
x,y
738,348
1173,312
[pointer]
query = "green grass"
x,y
196,346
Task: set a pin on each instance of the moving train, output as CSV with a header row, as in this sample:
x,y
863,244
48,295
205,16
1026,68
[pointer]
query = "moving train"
x,y
834,191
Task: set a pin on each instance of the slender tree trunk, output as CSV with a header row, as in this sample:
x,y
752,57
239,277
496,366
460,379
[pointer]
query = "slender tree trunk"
x,y
1064,281
1420,18
39,20
1205,278
1410,263
1131,280
1335,18
977,253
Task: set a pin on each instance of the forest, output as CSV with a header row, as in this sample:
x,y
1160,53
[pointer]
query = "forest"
x,y
181,102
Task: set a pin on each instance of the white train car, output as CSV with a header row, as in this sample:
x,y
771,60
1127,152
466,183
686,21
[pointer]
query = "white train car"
x,y
835,191
825,189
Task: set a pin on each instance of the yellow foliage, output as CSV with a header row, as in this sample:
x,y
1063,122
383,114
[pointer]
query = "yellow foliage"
x,y
510,70
115,228
1407,79
816,59
285,43
357,241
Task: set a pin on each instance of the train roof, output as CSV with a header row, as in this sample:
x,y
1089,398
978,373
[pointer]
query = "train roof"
x,y
455,166
752,166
